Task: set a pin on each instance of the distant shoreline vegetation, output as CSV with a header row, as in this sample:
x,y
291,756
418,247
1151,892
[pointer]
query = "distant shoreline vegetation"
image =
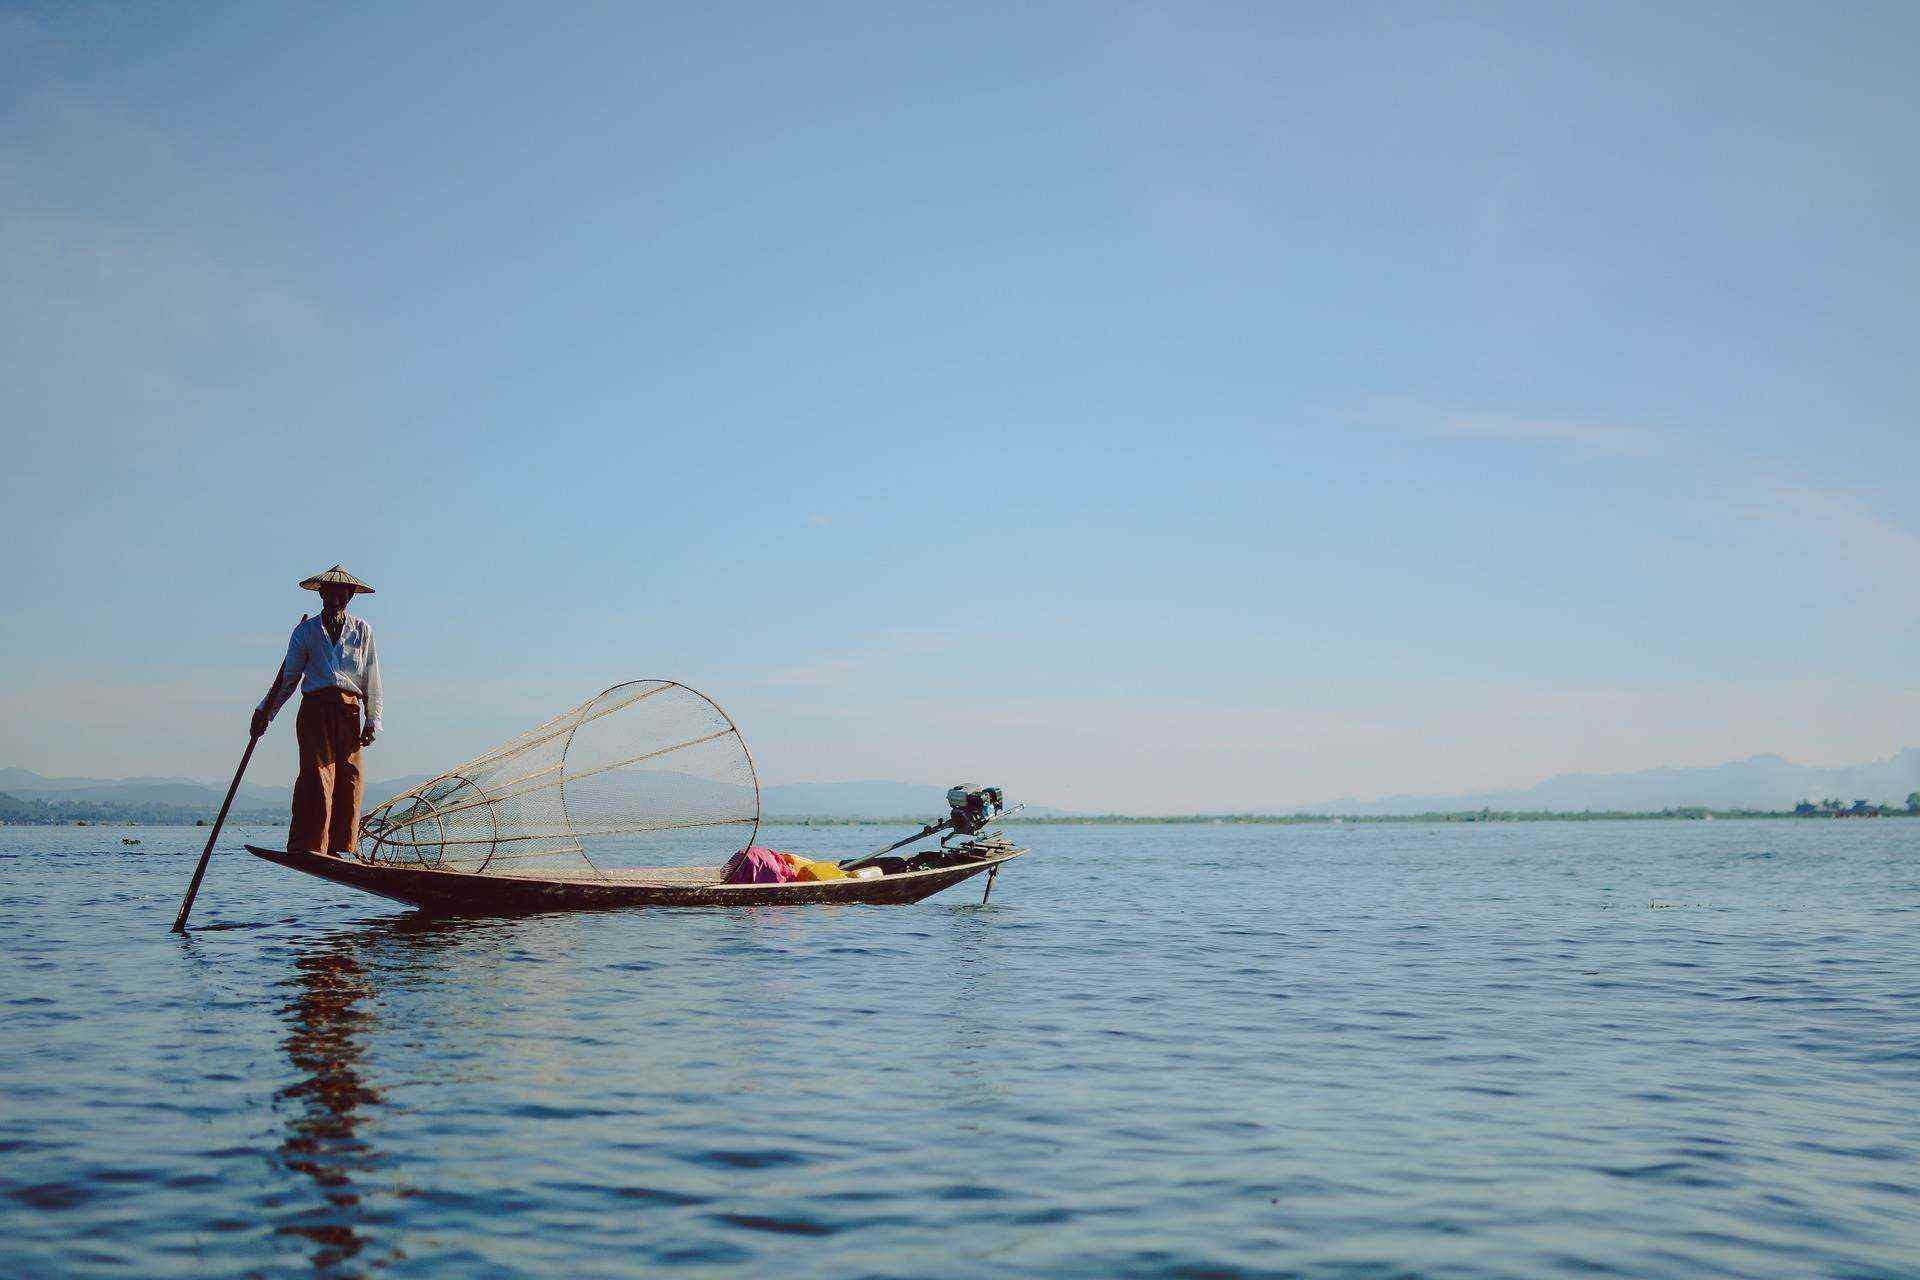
x,y
1333,819
66,813
16,812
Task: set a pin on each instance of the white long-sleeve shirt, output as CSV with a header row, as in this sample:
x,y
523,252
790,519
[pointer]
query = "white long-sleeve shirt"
x,y
315,662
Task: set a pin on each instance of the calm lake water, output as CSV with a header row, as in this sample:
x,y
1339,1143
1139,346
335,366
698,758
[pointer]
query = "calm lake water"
x,y
1646,1049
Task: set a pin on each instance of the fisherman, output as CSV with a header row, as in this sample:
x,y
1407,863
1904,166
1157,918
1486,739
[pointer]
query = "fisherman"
x,y
331,658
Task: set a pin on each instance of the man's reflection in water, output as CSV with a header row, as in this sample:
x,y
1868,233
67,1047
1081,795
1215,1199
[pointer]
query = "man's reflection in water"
x,y
327,1106
333,1108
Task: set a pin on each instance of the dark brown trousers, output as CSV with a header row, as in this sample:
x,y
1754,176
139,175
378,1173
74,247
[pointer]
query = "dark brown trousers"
x,y
326,796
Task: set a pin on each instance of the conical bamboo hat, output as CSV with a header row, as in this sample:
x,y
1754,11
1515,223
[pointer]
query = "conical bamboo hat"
x,y
336,576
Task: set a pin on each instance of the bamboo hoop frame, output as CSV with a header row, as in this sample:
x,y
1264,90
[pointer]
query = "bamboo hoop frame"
x,y
568,725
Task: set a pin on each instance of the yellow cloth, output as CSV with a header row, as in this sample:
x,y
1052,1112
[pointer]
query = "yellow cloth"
x,y
808,869
819,871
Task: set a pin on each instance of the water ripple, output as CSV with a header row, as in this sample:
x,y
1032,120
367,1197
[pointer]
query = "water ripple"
x,y
1569,1050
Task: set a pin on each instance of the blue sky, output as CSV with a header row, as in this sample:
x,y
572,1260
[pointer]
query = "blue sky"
x,y
1150,407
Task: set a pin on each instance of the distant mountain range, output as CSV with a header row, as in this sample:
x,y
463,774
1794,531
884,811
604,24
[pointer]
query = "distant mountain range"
x,y
183,793
1759,782
152,799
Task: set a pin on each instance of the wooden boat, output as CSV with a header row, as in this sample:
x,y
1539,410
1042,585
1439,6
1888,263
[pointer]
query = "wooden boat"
x,y
645,771
444,892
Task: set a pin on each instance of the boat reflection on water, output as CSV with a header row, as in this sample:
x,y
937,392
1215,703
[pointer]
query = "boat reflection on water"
x,y
432,1058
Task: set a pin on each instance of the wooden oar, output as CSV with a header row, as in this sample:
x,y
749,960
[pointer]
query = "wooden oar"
x,y
253,740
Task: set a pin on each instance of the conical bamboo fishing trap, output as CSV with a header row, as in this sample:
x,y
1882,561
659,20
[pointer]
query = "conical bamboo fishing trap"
x,y
649,774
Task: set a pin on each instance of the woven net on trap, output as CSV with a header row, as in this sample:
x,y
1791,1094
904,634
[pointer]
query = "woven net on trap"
x,y
650,775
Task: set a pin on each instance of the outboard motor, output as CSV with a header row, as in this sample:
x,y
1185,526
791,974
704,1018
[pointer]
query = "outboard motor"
x,y
969,809
973,807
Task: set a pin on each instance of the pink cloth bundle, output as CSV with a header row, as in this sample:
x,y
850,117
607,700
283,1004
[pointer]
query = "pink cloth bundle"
x,y
757,865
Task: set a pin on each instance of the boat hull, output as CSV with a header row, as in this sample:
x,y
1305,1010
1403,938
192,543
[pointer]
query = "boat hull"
x,y
463,893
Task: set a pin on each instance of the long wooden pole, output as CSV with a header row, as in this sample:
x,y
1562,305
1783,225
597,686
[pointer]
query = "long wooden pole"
x,y
206,854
